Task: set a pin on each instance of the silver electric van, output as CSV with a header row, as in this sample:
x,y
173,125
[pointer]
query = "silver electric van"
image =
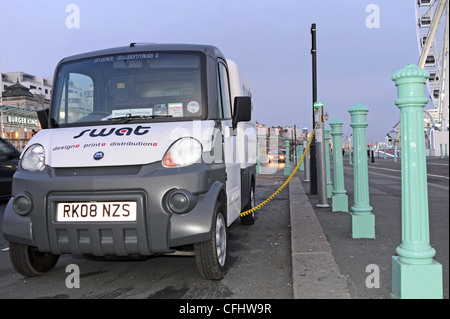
x,y
145,149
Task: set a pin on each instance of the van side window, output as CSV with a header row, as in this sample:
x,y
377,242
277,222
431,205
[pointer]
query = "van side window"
x,y
225,99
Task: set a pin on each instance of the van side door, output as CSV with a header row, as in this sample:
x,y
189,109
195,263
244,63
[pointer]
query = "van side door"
x,y
232,167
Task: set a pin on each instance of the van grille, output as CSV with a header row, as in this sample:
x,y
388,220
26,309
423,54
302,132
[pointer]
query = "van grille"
x,y
98,171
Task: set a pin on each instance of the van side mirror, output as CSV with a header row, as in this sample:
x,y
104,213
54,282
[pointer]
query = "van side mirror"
x,y
43,118
242,109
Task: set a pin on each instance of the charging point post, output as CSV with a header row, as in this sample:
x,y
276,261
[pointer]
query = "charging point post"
x,y
321,161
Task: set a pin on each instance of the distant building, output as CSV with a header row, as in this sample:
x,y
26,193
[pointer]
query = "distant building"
x,y
22,95
36,84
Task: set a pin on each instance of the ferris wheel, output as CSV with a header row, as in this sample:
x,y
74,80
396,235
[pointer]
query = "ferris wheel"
x,y
432,36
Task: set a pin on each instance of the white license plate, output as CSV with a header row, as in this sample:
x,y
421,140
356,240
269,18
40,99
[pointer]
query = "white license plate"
x,y
96,212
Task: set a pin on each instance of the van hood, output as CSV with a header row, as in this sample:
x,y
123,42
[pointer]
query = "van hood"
x,y
119,144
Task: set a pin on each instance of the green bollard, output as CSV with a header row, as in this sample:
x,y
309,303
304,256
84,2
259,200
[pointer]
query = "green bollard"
x,y
339,194
287,166
327,160
415,273
300,154
442,154
363,221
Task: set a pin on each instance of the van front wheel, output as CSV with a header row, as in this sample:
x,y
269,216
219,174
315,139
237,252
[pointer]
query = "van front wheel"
x,y
210,256
28,261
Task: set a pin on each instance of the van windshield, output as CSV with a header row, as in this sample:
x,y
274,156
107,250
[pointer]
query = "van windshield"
x,y
153,86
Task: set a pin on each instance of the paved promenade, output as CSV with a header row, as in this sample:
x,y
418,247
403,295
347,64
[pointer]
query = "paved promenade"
x,y
328,263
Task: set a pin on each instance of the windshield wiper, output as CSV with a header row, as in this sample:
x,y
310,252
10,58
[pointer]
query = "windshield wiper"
x,y
129,117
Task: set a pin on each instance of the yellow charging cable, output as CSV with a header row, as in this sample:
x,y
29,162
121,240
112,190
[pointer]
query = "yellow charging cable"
x,y
252,210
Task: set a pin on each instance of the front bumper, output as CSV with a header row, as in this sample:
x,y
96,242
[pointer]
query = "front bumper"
x,y
156,230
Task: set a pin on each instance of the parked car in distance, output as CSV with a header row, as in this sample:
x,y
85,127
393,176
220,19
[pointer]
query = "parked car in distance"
x,y
278,156
9,157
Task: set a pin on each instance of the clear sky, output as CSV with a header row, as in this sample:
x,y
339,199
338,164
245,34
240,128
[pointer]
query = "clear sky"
x,y
358,48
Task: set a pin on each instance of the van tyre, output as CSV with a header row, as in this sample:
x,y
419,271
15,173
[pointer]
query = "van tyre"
x,y
30,262
249,219
210,256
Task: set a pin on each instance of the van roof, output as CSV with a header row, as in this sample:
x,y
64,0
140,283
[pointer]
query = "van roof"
x,y
145,47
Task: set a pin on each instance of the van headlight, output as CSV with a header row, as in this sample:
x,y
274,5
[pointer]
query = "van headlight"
x,y
184,152
33,159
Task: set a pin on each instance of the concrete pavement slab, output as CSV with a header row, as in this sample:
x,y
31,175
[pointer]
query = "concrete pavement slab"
x,y
315,274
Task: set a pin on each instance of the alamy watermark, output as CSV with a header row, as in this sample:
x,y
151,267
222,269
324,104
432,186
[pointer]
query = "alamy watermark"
x,y
73,279
73,17
373,280
373,19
